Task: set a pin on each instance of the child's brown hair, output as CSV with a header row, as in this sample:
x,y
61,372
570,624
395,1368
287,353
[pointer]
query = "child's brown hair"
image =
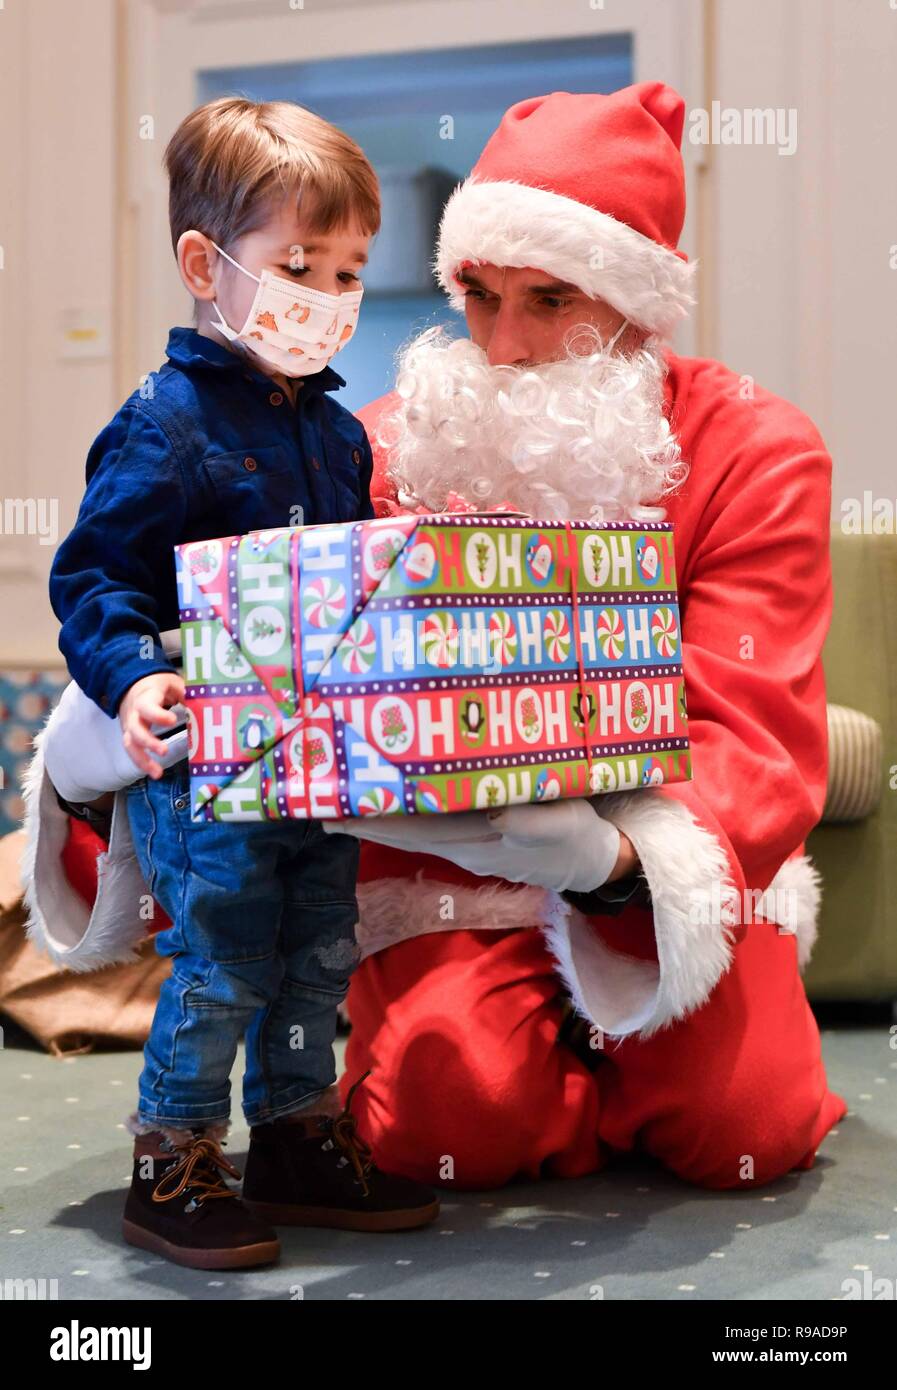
x,y
229,162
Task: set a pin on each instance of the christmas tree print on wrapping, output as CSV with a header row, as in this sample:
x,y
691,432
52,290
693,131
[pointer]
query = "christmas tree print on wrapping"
x,y
264,629
604,780
493,789
233,658
482,554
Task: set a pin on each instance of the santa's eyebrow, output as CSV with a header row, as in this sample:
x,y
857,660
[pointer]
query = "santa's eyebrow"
x,y
466,277
554,287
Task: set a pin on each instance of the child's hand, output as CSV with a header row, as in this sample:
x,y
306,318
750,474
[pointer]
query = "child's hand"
x,y
146,703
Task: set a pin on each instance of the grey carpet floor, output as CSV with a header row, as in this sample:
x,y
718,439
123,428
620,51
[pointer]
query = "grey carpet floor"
x,y
632,1233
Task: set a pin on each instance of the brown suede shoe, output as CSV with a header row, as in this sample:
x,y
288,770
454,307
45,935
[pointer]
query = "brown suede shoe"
x,y
318,1171
180,1206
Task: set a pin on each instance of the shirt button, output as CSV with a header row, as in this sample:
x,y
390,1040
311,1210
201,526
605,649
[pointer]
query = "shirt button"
x,y
104,701
356,457
276,398
316,465
250,465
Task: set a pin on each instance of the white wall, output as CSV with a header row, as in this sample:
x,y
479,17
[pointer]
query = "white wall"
x,y
57,137
803,293
795,250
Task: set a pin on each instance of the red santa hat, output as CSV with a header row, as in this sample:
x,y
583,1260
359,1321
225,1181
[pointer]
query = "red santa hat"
x,y
588,188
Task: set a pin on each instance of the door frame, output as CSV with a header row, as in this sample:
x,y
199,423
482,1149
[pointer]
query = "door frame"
x,y
166,42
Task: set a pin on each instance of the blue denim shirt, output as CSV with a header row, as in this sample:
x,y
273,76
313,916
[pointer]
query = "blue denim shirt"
x,y
211,447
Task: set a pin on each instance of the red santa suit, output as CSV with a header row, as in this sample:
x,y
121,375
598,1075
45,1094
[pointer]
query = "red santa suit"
x,y
705,1051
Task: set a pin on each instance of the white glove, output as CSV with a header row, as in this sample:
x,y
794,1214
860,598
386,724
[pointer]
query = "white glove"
x,y
83,750
553,844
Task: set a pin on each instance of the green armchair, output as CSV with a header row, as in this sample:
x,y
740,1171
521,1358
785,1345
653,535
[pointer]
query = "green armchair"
x,y
855,956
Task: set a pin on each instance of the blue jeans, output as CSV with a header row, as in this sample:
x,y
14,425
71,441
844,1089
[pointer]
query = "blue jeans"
x,y
262,940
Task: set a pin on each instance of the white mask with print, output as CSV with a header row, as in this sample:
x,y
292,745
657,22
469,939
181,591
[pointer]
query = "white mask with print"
x,y
294,329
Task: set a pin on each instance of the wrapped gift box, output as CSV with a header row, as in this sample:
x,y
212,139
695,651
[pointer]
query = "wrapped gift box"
x,y
429,664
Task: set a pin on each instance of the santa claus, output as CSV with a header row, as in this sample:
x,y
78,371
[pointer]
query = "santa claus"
x,y
551,986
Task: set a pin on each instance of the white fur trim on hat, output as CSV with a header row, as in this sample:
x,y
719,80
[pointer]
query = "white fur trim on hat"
x,y
505,223
695,908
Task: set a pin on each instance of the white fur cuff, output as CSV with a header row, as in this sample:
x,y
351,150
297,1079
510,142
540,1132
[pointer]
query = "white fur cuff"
x,y
59,921
696,906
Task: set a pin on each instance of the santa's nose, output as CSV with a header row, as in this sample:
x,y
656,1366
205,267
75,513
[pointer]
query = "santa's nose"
x,y
507,346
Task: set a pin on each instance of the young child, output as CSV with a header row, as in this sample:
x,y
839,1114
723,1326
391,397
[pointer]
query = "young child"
x,y
271,210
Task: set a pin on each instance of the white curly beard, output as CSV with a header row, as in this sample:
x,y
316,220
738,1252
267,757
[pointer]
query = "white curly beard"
x,y
581,438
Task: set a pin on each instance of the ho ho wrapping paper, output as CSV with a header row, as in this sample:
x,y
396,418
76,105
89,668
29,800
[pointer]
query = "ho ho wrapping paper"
x,y
429,664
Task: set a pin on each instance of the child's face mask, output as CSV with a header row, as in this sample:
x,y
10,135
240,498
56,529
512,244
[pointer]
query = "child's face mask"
x,y
294,329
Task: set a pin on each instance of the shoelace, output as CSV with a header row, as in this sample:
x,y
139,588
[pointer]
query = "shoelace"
x,y
344,1133
199,1168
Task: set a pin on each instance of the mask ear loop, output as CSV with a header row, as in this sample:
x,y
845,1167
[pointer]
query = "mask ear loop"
x,y
223,326
236,263
613,341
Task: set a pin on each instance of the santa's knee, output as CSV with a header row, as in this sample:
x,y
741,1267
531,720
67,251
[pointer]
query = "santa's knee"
x,y
445,1123
483,1142
466,1139
730,1146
